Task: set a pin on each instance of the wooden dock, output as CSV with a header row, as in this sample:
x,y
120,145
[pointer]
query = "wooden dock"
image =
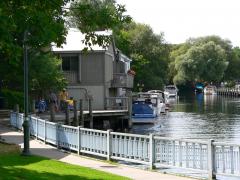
x,y
88,119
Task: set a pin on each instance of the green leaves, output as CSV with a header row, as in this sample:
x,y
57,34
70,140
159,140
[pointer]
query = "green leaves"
x,y
202,59
149,53
90,16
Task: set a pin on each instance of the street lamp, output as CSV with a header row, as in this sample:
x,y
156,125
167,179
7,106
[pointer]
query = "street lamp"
x,y
26,131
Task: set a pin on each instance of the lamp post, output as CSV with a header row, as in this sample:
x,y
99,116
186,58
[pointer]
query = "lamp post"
x,y
26,131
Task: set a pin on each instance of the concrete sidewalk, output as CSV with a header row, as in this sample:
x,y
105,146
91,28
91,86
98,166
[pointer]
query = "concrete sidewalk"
x,y
10,135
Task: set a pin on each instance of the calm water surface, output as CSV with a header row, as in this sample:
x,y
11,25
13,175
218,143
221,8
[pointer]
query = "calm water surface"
x,y
198,117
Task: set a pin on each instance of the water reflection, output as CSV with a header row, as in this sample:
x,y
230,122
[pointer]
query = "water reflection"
x,y
198,116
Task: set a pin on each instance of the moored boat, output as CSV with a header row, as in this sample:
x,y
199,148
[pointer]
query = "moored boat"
x,y
147,107
171,91
199,87
210,90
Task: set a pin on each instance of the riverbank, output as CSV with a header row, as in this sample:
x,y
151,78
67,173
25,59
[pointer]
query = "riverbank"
x,y
38,148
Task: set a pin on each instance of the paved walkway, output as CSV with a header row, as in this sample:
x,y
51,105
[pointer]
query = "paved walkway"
x,y
10,135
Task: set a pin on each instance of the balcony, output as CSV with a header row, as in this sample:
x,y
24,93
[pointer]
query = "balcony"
x,y
122,80
71,76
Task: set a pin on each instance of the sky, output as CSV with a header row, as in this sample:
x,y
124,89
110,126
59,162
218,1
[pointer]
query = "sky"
x,y
182,19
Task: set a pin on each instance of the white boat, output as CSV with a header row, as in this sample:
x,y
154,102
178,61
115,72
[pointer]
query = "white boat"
x,y
210,90
171,91
147,107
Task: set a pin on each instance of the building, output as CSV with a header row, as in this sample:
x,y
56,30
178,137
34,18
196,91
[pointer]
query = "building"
x,y
97,71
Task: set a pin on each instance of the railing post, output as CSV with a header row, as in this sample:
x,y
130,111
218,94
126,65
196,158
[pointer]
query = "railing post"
x,y
151,151
79,139
211,160
109,144
45,132
57,135
16,109
36,128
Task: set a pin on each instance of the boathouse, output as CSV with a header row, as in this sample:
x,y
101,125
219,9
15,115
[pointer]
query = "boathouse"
x,y
104,77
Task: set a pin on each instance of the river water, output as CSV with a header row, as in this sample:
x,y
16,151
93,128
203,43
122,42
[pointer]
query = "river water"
x,y
198,116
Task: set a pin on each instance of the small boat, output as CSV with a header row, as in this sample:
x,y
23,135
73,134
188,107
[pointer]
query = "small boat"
x,y
199,87
210,90
171,91
147,107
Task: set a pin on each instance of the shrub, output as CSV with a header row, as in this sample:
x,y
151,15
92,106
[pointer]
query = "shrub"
x,y
13,97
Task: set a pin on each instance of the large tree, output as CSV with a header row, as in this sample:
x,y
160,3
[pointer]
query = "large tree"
x,y
34,23
45,22
204,59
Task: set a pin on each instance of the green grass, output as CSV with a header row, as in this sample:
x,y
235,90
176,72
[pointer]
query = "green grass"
x,y
17,167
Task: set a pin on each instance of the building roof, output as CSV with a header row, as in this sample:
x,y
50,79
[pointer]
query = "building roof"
x,y
74,42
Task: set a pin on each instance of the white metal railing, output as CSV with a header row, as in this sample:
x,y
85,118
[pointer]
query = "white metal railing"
x,y
204,156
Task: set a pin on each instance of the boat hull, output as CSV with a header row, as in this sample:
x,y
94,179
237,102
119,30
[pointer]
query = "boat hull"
x,y
144,119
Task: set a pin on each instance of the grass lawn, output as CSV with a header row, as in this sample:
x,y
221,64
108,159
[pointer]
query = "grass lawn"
x,y
17,167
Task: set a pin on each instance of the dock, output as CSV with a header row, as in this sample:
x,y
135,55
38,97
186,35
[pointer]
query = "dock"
x,y
101,119
234,92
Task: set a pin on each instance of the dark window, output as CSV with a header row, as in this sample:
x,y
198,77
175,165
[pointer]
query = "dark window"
x,y
70,63
66,63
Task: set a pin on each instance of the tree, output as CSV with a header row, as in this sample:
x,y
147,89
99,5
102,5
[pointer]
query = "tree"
x,y
149,52
204,61
90,16
232,73
45,74
42,22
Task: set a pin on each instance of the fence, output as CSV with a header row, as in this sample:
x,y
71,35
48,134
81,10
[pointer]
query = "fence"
x,y
210,157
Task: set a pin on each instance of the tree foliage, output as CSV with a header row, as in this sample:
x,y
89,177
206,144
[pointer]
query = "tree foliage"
x,y
42,22
45,74
204,59
149,52
90,16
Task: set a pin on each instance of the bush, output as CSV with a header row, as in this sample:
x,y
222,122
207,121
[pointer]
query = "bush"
x,y
13,97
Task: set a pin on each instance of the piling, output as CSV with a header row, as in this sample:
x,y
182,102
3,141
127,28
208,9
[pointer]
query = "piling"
x,y
81,116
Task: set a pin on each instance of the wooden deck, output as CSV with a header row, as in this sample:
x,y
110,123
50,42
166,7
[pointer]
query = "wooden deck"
x,y
60,116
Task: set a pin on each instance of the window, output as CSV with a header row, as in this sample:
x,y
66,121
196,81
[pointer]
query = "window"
x,y
70,63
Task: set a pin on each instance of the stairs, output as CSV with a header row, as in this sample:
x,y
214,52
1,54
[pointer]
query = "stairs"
x,y
4,113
